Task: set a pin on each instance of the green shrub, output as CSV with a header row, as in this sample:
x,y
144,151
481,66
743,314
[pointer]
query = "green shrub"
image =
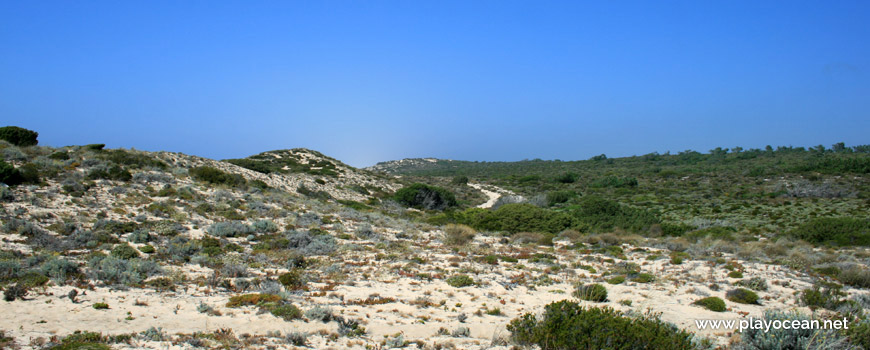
x,y
556,197
517,217
591,292
132,160
567,325
124,251
460,281
101,306
616,279
19,136
288,312
216,176
9,175
711,303
602,215
735,274
716,232
422,196
643,278
742,295
823,295
566,178
147,249
613,181
113,172
293,280
835,231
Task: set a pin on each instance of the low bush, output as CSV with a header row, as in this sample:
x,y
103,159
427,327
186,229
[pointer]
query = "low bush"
x,y
458,234
742,296
460,281
711,303
566,178
613,181
835,231
14,291
591,292
293,280
427,197
111,270
319,313
643,278
230,229
823,295
855,276
516,217
754,283
59,269
124,251
288,312
252,299
616,279
600,214
113,172
9,175
567,325
557,197
216,176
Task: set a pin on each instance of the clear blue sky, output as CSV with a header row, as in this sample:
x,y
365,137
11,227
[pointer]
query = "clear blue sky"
x,y
368,81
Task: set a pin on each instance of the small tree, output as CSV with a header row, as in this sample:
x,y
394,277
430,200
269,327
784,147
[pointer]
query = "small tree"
x,y
18,136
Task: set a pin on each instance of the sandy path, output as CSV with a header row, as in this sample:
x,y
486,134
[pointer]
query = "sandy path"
x,y
491,195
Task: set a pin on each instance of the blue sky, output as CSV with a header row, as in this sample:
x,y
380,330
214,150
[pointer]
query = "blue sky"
x,y
368,81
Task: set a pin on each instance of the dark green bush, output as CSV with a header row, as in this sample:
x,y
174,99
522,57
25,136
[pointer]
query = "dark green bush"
x,y
716,232
601,214
460,281
566,178
216,176
613,181
517,217
423,196
9,175
293,280
591,292
835,231
113,172
557,197
288,312
643,278
823,295
19,136
124,251
566,325
742,295
711,303
132,160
